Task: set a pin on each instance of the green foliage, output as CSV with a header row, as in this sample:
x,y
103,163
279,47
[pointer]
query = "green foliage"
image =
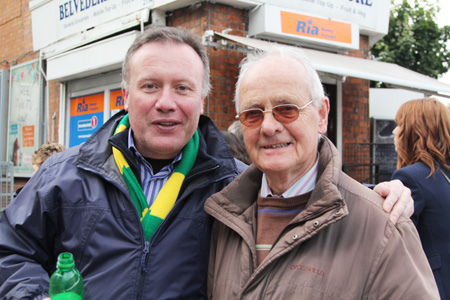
x,y
414,40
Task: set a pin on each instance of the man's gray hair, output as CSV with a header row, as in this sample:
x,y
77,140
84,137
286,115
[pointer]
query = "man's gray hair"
x,y
315,86
169,35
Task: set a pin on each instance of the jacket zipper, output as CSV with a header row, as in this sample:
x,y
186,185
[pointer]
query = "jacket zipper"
x,y
144,257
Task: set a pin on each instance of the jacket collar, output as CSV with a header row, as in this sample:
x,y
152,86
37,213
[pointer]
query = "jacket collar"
x,y
94,153
241,194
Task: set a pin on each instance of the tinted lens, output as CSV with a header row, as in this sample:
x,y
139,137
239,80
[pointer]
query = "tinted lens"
x,y
285,113
251,117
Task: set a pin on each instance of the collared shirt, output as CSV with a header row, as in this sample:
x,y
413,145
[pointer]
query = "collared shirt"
x,y
151,183
302,186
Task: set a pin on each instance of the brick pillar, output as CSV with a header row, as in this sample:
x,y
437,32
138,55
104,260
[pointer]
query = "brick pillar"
x,y
53,109
355,120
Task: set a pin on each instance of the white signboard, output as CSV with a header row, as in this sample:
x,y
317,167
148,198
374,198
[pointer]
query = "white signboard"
x,y
274,22
62,18
56,20
370,15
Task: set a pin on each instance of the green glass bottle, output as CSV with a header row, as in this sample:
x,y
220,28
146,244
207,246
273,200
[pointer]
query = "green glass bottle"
x,y
66,283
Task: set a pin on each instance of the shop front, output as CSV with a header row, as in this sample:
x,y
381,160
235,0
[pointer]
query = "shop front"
x,y
81,46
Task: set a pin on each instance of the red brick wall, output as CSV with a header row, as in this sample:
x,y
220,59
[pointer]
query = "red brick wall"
x,y
223,63
355,104
15,34
355,118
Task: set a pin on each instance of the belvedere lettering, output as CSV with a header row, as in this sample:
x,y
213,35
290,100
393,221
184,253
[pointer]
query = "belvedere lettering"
x,y
73,7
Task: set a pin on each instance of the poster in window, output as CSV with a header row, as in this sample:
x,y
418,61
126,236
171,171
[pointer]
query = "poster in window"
x,y
24,116
86,116
116,103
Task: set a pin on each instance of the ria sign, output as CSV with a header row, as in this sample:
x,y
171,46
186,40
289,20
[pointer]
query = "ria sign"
x,y
321,24
316,28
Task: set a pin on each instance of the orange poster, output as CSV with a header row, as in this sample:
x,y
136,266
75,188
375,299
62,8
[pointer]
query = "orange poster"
x,y
318,28
86,105
28,136
116,100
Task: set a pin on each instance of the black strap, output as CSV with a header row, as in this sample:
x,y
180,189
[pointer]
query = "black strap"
x,y
446,177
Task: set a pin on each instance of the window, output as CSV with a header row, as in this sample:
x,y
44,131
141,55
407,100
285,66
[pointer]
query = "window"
x,y
91,102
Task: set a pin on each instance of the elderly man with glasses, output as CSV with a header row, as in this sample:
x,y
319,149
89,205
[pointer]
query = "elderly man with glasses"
x,y
293,225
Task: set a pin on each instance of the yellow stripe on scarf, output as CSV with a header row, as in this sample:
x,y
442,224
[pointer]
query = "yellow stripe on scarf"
x,y
120,160
167,196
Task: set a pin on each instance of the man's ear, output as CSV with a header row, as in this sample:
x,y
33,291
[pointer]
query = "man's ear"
x,y
324,109
202,105
125,98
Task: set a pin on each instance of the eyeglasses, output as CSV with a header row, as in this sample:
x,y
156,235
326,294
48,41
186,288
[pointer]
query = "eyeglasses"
x,y
283,113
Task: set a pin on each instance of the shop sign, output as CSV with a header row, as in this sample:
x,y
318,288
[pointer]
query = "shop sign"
x,y
276,23
56,20
371,16
316,28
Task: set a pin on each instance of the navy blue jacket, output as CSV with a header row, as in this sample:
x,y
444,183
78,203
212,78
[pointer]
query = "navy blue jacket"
x,y
78,202
431,217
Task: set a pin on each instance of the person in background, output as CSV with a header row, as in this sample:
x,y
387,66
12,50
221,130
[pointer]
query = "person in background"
x,y
41,155
294,225
129,202
235,128
238,150
422,141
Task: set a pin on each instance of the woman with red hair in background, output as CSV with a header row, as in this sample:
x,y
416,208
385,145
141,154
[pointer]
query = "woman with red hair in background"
x,y
422,141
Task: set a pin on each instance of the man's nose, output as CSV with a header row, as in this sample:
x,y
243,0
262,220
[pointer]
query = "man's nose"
x,y
270,125
166,100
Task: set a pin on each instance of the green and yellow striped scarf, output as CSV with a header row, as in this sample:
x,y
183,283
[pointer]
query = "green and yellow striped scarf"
x,y
152,217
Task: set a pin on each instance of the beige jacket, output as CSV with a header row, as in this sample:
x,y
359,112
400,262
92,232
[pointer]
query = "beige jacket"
x,y
342,246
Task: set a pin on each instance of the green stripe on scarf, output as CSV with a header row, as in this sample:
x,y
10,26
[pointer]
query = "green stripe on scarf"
x,y
152,217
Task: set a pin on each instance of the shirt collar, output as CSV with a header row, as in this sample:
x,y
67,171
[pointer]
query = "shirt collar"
x,y
142,161
302,186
